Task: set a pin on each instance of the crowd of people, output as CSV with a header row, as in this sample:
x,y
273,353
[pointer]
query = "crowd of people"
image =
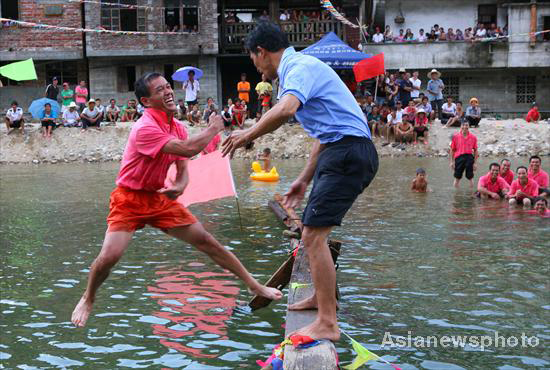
x,y
437,33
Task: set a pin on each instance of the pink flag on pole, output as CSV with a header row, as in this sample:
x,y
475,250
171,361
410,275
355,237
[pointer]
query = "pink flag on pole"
x,y
210,178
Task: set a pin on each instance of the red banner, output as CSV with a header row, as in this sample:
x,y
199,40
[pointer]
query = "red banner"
x,y
369,68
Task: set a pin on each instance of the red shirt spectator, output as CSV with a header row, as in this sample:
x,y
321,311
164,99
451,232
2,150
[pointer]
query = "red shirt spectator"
x,y
508,177
533,115
496,187
531,188
463,145
541,178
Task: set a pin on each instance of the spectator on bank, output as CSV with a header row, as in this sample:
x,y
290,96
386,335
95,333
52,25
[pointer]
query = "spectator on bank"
x,y
435,91
182,110
533,115
427,108
448,110
226,116
523,189
71,117
264,17
243,88
67,96
14,118
468,34
129,112
481,32
209,108
192,88
381,90
432,36
90,116
409,36
101,108
457,119
374,119
392,89
459,36
451,35
473,113
238,113
463,154
400,37
81,92
442,35
422,36
52,90
194,116
264,90
404,132
492,31
421,126
47,119
416,85
112,111
409,114
378,37
537,174
505,172
388,34
437,30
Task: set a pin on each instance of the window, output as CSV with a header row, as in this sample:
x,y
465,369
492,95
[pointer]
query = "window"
x,y
120,18
452,87
526,89
64,71
10,9
487,14
181,15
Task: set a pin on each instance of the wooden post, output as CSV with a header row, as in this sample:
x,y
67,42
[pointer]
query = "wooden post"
x,y
533,25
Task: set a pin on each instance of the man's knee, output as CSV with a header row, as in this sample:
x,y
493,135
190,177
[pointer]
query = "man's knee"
x,y
105,261
512,201
527,202
314,237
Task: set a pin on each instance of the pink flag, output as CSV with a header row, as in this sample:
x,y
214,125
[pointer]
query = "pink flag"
x,y
210,177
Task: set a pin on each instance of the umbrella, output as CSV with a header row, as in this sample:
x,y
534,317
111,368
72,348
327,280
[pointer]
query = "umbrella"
x,y
37,107
182,73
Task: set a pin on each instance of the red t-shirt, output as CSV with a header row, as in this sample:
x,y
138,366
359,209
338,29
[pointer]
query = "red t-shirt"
x,y
144,166
463,145
421,122
495,187
532,115
509,177
531,188
540,178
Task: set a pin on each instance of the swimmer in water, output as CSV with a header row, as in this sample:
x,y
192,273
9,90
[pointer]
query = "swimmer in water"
x,y
265,157
541,206
419,183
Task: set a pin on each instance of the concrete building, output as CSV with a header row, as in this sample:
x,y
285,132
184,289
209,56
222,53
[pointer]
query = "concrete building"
x,y
55,53
506,75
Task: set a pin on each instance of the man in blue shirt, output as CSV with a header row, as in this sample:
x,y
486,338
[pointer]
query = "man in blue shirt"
x,y
342,163
435,91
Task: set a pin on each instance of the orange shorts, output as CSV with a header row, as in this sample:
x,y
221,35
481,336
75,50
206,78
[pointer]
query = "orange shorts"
x,y
131,210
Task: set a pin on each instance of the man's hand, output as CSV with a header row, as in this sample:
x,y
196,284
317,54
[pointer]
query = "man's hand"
x,y
495,196
452,165
295,194
236,140
173,191
475,167
520,193
216,121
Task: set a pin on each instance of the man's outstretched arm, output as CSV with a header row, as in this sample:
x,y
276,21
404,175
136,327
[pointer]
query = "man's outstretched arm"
x,y
195,144
270,121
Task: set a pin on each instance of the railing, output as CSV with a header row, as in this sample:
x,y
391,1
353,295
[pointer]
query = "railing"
x,y
300,34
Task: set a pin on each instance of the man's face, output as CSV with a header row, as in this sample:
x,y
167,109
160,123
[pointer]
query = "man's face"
x,y
449,101
369,99
54,82
411,103
98,101
91,106
263,64
191,75
535,164
47,108
180,103
264,78
132,103
415,74
14,107
243,78
71,109
398,105
505,167
494,172
434,76
210,101
161,96
421,177
522,174
82,84
425,101
465,128
540,206
65,87
112,103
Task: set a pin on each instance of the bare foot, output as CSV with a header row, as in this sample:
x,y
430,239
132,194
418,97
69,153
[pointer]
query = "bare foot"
x,y
267,292
307,304
320,330
81,312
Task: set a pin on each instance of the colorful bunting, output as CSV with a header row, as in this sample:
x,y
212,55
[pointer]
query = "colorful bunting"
x,y
328,6
120,5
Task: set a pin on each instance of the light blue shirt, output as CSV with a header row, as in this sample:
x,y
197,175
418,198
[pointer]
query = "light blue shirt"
x,y
328,111
437,87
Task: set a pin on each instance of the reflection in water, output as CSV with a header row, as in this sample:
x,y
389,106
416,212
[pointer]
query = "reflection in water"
x,y
196,303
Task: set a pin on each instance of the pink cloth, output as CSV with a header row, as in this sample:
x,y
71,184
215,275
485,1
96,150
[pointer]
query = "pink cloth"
x,y
540,178
80,90
495,187
509,177
463,145
144,166
212,145
210,178
531,188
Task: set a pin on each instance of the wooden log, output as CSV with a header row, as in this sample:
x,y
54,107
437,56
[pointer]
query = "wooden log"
x,y
291,221
322,356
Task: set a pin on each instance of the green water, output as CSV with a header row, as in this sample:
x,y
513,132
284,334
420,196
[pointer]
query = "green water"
x,y
431,264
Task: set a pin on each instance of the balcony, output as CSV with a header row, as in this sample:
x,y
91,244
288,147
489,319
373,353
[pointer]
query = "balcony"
x,y
300,34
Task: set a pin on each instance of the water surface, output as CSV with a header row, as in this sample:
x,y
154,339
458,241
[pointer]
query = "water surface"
x,y
441,263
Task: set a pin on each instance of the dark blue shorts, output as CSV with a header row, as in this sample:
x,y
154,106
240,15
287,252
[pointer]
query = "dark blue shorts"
x,y
344,169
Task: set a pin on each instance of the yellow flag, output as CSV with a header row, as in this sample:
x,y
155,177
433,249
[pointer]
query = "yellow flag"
x,y
363,355
298,285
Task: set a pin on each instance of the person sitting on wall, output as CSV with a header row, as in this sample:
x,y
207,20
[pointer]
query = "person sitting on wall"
x,y
194,116
112,111
209,108
421,126
182,110
129,112
101,109
448,111
47,119
427,108
374,120
523,190
90,116
404,132
409,113
14,118
533,115
473,113
457,119
71,117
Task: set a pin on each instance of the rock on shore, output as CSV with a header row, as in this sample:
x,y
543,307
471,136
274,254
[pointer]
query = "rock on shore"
x,y
495,138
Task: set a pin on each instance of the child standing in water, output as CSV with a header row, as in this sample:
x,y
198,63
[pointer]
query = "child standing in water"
x,y
265,157
419,183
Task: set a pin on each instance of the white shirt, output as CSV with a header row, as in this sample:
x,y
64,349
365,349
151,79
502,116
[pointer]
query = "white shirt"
x,y
397,119
446,108
422,38
378,38
15,116
481,32
140,109
70,117
90,113
191,90
416,83
283,17
114,109
100,108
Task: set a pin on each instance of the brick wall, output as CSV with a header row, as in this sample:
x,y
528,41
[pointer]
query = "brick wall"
x,y
104,45
26,42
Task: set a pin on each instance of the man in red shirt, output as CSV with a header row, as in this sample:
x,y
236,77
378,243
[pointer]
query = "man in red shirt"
x,y
538,175
533,115
463,155
523,189
141,197
492,185
505,172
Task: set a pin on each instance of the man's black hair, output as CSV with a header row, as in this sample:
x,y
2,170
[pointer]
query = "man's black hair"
x,y
47,104
537,199
14,102
520,167
268,36
459,102
535,157
505,159
267,151
142,85
112,100
494,164
420,170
